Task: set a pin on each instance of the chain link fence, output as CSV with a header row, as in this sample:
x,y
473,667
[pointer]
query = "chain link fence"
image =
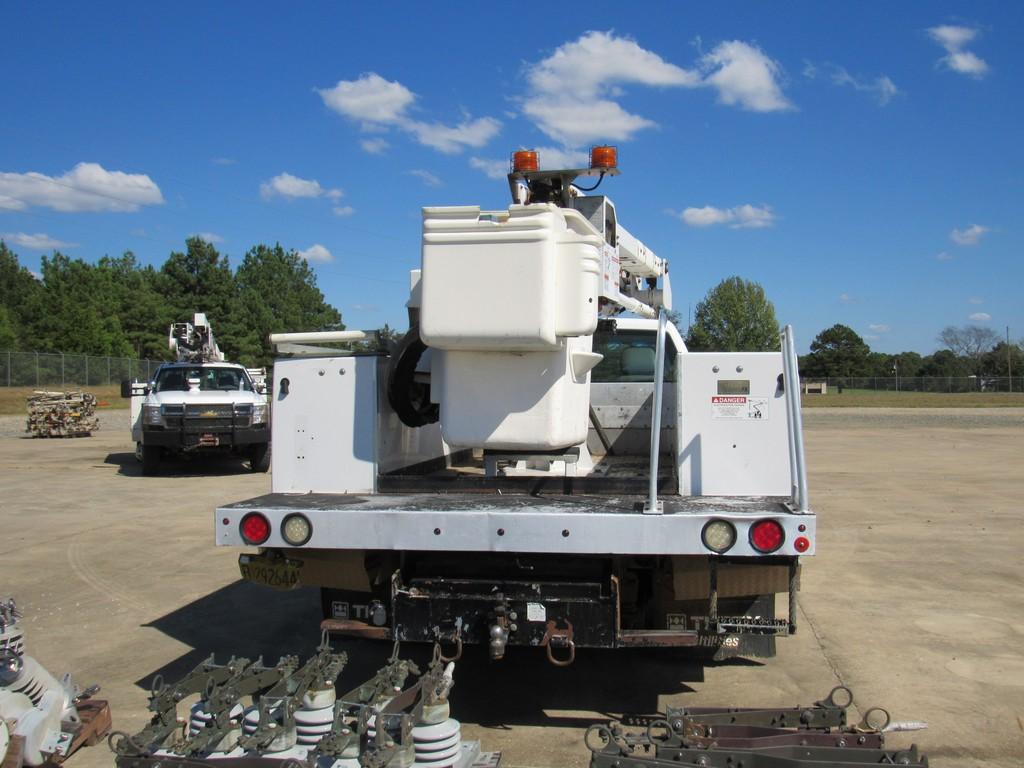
x,y
45,369
917,383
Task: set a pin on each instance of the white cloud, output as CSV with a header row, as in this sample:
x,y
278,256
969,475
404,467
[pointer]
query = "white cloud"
x,y
883,88
374,146
316,252
426,177
371,99
570,93
86,187
451,139
845,298
343,210
954,39
224,161
975,300
970,236
494,169
879,327
365,307
36,242
740,217
980,317
944,256
574,94
292,187
745,76
378,104
209,237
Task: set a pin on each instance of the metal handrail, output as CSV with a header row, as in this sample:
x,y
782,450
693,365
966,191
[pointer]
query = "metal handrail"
x,y
653,507
795,423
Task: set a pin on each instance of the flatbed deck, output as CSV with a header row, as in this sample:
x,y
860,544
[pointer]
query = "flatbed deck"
x,y
506,522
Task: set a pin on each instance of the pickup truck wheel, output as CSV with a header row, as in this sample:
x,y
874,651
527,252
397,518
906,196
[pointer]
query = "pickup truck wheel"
x,y
259,458
150,460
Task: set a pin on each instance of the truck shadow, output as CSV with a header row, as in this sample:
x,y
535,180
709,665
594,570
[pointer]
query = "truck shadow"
x,y
248,621
128,465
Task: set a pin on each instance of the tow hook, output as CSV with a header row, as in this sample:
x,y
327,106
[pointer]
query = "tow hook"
x,y
456,640
561,637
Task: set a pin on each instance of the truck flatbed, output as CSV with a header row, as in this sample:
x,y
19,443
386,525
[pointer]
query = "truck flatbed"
x,y
509,522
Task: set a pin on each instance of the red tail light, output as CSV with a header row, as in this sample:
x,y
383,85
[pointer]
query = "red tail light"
x,y
802,544
255,528
766,536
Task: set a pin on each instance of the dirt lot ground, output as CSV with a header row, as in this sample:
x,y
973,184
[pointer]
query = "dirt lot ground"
x,y
915,599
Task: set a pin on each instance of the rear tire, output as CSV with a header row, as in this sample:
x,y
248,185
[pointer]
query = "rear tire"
x,y
259,458
150,460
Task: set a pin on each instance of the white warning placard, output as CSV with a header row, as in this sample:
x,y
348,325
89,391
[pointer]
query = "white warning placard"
x,y
739,407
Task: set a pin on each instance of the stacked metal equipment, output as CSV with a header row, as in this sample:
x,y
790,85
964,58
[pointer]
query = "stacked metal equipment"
x,y
62,414
250,715
42,720
817,736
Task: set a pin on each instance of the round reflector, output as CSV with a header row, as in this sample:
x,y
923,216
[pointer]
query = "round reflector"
x,y
296,529
718,536
255,528
525,160
766,536
801,544
604,157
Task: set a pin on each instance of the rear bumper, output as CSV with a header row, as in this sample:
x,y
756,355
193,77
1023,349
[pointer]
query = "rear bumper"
x,y
479,522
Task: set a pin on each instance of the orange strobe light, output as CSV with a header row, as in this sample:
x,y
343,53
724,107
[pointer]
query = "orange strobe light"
x,y
604,157
526,160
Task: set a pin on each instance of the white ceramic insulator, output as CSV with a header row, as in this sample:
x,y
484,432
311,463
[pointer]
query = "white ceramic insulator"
x,y
437,746
199,717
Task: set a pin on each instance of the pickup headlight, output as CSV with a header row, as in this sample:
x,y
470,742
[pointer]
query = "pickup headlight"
x,y
151,416
259,413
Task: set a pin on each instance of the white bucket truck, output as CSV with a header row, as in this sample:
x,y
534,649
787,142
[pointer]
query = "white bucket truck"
x,y
540,461
199,404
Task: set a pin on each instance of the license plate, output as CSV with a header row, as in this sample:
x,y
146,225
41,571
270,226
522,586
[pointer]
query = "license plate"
x,y
278,574
209,440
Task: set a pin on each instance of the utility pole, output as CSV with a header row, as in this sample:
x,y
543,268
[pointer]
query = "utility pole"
x,y
896,370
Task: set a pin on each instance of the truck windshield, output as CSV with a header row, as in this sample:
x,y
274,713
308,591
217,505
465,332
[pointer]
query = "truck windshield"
x,y
210,379
629,357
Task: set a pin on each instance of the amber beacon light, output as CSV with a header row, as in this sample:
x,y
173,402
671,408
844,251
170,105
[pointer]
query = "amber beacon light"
x,y
604,157
526,160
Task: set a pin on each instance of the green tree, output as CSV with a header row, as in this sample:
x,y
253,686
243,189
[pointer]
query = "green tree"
x,y
279,293
1002,358
19,291
839,351
945,362
143,311
75,309
8,336
735,316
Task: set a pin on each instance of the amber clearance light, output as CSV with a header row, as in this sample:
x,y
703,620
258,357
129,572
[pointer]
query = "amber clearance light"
x,y
526,160
604,157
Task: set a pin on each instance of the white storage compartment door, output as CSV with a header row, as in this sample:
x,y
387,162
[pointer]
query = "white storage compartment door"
x,y
733,435
324,425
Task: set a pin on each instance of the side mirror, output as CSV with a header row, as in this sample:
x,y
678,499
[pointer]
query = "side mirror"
x,y
126,388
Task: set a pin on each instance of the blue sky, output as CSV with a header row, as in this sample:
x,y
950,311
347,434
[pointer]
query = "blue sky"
x,y
864,163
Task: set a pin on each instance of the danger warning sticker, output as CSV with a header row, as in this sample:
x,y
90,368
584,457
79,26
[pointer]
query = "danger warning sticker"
x,y
739,407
